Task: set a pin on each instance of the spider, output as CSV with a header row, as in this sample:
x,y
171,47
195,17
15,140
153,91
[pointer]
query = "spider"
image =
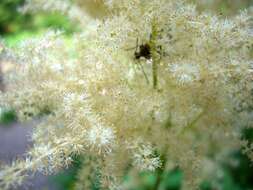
x,y
143,51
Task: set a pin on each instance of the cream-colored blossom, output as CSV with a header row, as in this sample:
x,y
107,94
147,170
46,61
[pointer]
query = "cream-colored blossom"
x,y
100,137
98,94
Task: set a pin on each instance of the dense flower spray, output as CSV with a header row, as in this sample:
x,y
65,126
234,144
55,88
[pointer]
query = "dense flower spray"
x,y
146,85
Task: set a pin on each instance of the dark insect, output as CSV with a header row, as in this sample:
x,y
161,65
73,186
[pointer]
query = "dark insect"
x,y
144,51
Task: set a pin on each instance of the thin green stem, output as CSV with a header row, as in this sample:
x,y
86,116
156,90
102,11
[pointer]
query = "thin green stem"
x,y
155,58
154,71
160,171
194,121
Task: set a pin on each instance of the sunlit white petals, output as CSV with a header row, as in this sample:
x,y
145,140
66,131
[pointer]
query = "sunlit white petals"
x,y
185,73
145,159
93,91
101,138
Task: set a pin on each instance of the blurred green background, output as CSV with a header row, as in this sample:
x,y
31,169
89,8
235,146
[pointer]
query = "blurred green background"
x,y
14,27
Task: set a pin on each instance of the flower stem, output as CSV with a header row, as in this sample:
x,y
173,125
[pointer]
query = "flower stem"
x,y
154,54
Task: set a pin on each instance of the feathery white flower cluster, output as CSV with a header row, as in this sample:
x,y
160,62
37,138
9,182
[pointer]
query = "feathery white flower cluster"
x,y
152,84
